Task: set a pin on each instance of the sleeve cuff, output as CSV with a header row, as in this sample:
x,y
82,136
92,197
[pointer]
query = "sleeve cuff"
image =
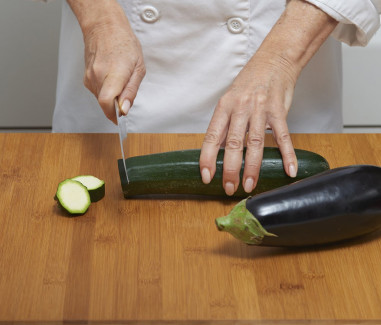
x,y
358,19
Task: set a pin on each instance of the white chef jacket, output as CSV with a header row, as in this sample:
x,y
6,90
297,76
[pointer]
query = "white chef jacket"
x,y
193,50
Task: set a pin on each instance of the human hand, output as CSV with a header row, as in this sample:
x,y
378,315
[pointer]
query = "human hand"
x,y
114,65
260,98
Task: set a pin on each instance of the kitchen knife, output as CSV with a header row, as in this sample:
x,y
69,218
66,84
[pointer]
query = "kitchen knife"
x,y
122,126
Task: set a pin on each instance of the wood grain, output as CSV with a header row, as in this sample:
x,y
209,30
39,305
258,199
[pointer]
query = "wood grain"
x,y
163,261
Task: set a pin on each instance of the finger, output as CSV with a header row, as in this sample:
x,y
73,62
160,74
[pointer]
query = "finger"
x,y
111,88
254,152
214,136
128,94
284,142
234,151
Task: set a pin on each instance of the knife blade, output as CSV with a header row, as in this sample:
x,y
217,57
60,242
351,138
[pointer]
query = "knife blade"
x,y
122,126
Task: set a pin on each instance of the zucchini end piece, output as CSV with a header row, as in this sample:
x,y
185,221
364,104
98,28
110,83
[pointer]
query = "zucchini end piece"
x,y
241,224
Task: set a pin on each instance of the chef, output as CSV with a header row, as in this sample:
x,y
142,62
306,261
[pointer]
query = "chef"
x,y
230,68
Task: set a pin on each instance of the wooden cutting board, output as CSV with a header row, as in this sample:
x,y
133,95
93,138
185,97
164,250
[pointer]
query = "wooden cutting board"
x,y
163,260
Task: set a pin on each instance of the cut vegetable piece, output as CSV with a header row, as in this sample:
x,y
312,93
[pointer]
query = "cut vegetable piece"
x,y
94,185
73,197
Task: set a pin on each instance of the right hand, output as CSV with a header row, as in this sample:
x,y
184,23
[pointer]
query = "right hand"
x,y
114,65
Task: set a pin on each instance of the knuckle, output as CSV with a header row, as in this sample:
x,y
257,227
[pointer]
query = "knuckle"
x,y
261,96
212,137
255,141
87,79
223,102
104,100
142,70
131,89
241,103
245,101
261,99
283,137
233,142
97,69
87,74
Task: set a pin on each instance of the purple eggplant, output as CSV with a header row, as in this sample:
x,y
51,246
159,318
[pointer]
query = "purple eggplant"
x,y
332,206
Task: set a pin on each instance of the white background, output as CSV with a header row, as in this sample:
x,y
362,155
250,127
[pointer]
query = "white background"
x,y
29,35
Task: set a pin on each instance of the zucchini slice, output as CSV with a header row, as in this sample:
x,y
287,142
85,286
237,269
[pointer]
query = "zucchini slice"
x,y
336,205
73,197
178,173
94,185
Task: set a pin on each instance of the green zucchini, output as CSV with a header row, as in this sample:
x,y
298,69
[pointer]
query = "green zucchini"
x,y
73,197
94,185
178,173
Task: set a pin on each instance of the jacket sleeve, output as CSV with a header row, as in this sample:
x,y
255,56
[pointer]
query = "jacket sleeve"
x,y
358,19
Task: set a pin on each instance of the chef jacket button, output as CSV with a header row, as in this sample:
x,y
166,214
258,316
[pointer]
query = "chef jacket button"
x,y
150,14
235,25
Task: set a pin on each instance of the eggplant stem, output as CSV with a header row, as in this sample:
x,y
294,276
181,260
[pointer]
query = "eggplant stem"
x,y
243,225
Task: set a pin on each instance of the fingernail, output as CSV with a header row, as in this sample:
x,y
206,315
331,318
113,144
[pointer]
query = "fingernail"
x,y
229,188
249,184
205,174
126,106
292,170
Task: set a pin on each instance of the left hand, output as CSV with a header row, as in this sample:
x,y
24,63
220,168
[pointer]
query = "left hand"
x,y
260,98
